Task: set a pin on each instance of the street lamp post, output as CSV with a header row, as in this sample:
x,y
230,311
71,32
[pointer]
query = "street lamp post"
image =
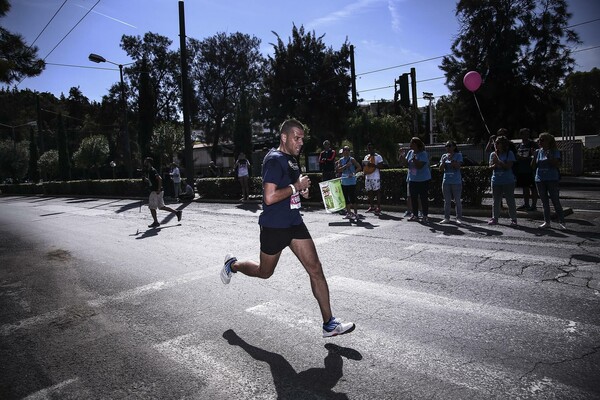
x,y
125,138
12,128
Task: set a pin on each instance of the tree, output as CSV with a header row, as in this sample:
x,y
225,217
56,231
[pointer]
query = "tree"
x,y
92,153
584,89
17,59
145,111
64,164
384,131
221,67
160,66
242,131
33,172
166,141
14,159
311,82
521,49
48,165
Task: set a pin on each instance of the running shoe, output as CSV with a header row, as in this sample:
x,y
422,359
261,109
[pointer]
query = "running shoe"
x,y
407,214
420,214
545,225
370,209
377,211
458,221
513,223
493,221
347,216
179,215
336,327
154,225
413,218
226,272
447,221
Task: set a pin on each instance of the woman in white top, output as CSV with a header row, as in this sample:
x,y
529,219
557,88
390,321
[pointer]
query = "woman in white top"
x,y
242,171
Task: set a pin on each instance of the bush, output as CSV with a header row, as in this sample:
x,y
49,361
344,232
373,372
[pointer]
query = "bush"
x,y
476,182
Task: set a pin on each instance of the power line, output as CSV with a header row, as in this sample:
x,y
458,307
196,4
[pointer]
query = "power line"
x,y
447,55
51,19
71,30
83,66
64,37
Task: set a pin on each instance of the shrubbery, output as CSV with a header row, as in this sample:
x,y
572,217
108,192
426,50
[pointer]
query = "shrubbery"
x,y
393,185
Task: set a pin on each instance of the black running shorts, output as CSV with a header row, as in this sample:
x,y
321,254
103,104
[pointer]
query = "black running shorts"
x,y
274,240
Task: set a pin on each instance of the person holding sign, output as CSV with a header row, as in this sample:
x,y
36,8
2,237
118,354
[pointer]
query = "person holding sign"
x,y
347,168
281,225
372,163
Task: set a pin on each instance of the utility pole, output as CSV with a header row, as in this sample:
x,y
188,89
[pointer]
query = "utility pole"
x,y
187,131
353,75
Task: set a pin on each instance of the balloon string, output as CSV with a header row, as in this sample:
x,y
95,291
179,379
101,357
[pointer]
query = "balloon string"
x,y
481,115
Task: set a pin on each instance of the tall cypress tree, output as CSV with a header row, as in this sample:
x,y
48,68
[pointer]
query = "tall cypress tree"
x,y
64,165
34,172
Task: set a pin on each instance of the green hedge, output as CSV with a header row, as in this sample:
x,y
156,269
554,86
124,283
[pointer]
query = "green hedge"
x,y
393,186
103,187
476,181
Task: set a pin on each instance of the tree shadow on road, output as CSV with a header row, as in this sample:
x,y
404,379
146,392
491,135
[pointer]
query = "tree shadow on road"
x,y
314,383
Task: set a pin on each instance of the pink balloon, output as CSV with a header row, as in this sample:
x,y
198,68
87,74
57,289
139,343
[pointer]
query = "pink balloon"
x,y
472,80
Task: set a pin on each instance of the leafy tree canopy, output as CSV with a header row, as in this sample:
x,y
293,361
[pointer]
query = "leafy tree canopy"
x,y
17,59
521,49
309,81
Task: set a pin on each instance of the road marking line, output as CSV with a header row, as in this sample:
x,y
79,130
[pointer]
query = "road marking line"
x,y
205,359
50,392
508,316
101,301
427,359
544,243
500,255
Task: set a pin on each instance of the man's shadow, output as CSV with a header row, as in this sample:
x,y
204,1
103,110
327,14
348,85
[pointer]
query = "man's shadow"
x,y
312,383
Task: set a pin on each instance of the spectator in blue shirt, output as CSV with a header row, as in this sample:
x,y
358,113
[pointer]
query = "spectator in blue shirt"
x,y
419,176
546,162
450,164
503,180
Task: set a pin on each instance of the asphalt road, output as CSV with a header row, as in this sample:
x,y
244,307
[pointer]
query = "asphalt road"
x,y
95,305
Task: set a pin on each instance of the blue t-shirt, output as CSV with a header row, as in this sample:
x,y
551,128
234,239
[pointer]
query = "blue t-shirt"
x,y
418,174
545,171
502,176
348,174
281,169
452,175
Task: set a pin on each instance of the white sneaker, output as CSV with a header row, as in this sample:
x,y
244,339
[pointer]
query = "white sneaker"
x,y
226,272
445,221
338,328
458,221
545,225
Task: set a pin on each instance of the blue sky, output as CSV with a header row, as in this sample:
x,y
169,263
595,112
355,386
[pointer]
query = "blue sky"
x,y
389,36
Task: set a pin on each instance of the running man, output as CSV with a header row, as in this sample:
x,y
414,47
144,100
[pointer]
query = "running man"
x,y
281,225
156,197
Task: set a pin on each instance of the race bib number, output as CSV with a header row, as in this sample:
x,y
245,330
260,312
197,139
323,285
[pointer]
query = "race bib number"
x,y
295,201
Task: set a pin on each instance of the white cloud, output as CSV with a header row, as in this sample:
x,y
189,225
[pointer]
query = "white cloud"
x,y
395,16
346,12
